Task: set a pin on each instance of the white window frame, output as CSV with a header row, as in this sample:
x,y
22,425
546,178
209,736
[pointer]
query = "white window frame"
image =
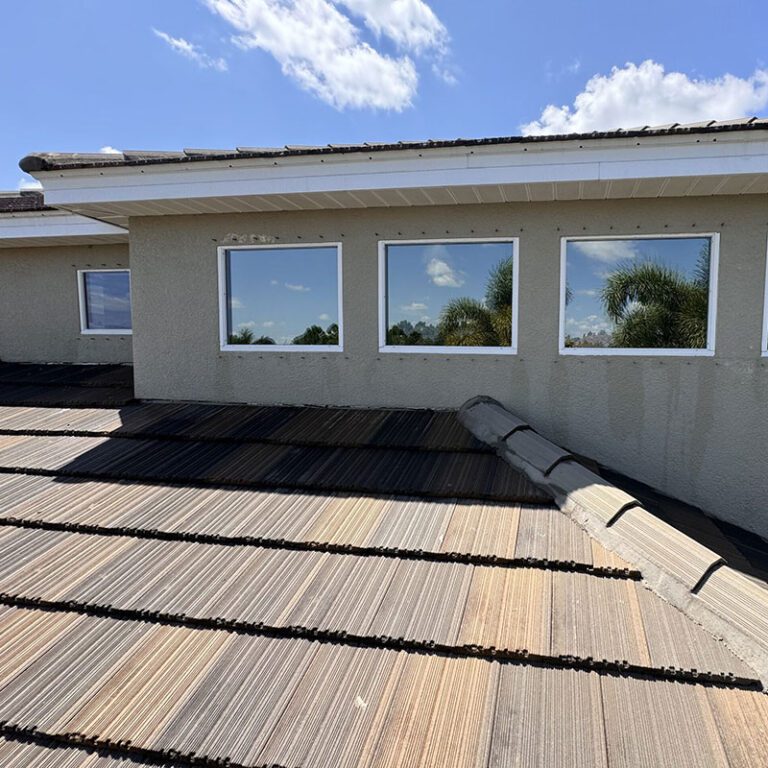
x,y
707,351
224,346
408,349
764,345
83,305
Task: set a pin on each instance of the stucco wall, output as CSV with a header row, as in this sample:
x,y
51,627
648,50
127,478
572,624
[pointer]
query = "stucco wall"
x,y
39,315
694,427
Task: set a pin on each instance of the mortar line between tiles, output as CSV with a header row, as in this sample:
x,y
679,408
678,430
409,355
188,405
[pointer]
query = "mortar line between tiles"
x,y
383,642
465,558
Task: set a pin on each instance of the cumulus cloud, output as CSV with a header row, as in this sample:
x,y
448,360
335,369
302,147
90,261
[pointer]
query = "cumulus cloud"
x,y
443,274
645,94
109,150
27,182
588,324
324,317
411,24
192,52
320,47
297,287
414,306
606,251
268,324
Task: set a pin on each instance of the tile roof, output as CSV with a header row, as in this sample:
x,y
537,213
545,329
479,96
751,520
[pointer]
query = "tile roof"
x,y
50,161
250,617
22,202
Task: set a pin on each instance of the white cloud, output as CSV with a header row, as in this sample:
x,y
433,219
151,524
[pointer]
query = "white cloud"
x,y
573,67
556,74
319,46
273,282
443,275
606,251
644,94
109,150
297,287
192,52
589,292
26,182
325,316
410,24
249,324
235,303
414,306
268,324
588,324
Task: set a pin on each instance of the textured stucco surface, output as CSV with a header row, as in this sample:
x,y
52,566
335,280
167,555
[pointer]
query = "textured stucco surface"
x,y
693,427
39,315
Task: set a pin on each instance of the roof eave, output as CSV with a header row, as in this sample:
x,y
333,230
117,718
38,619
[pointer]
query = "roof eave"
x,y
43,162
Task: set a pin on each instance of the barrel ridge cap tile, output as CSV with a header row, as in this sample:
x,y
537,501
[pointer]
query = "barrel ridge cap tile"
x,y
676,568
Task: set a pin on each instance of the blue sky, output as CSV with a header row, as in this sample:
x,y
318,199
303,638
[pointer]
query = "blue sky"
x,y
281,292
82,75
588,262
422,279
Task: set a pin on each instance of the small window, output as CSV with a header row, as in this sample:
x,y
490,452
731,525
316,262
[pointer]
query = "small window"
x,y
281,298
642,295
440,296
105,301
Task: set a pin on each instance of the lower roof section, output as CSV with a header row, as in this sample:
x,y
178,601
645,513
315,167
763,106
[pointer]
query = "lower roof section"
x,y
25,229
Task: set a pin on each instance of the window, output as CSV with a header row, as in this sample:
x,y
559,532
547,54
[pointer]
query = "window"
x,y
105,301
650,295
449,295
281,298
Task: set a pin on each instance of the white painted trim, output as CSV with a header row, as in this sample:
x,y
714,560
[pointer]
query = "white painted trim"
x,y
55,224
764,346
446,350
82,308
224,346
563,161
708,351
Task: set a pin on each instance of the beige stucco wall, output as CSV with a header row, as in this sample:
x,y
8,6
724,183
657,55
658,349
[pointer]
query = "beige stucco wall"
x,y
694,427
39,315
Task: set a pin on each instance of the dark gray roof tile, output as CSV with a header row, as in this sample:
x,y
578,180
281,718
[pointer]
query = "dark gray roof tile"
x,y
48,161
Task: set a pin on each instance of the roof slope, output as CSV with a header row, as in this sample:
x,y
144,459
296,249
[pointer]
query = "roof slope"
x,y
387,592
53,161
22,202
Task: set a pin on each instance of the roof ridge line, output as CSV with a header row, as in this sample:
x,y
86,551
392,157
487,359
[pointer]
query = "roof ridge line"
x,y
674,566
353,550
384,642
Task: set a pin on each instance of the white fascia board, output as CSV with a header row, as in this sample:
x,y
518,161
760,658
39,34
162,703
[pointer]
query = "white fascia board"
x,y
52,224
611,159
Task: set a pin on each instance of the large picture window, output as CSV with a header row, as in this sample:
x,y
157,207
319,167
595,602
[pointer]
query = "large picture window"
x,y
638,295
105,301
281,297
451,295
